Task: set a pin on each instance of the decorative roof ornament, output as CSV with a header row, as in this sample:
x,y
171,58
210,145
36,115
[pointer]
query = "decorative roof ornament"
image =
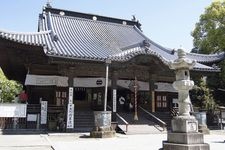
x,y
173,51
133,18
146,45
136,20
48,4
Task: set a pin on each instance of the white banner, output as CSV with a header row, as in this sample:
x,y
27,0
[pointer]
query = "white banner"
x,y
13,110
114,100
70,116
42,80
44,110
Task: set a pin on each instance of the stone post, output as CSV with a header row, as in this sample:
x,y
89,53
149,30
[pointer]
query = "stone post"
x,y
184,134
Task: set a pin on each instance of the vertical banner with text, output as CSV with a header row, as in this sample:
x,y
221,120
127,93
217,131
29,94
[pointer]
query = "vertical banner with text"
x,y
114,100
44,110
70,116
70,110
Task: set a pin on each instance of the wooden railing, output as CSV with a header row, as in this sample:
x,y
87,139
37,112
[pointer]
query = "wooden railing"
x,y
155,119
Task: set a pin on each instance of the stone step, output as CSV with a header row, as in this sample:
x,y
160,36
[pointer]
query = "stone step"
x,y
83,121
175,146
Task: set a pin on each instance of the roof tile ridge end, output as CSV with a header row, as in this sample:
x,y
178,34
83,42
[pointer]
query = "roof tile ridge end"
x,y
50,27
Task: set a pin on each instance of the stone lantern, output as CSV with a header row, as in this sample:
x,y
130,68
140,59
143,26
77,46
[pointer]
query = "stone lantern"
x,y
184,134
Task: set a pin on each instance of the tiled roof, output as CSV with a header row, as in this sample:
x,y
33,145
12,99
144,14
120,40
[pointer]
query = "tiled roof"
x,y
210,58
164,57
90,37
35,38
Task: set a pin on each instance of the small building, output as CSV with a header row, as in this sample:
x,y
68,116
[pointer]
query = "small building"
x,y
72,49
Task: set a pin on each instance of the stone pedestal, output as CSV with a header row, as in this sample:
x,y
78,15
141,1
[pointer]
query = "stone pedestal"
x,y
185,141
103,127
184,135
184,124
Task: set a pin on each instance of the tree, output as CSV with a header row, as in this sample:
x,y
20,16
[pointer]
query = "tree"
x,y
9,88
209,37
202,96
209,32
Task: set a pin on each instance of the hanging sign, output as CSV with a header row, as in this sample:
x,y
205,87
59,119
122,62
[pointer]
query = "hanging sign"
x,y
44,110
70,116
89,82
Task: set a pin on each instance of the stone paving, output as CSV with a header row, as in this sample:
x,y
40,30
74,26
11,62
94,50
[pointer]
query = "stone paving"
x,y
81,141
124,142
23,142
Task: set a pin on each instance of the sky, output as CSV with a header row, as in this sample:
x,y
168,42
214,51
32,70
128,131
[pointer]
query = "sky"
x,y
166,22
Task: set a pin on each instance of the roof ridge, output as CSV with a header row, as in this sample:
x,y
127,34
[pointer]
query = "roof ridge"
x,y
99,21
90,16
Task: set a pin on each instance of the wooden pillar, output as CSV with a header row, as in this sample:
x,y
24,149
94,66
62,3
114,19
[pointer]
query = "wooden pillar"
x,y
114,94
152,81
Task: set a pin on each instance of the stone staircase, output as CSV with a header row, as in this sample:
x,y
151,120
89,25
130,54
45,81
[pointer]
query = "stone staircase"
x,y
83,121
144,125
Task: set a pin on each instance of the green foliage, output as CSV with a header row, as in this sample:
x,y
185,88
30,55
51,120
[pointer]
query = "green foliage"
x,y
201,96
217,80
9,88
209,32
209,37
